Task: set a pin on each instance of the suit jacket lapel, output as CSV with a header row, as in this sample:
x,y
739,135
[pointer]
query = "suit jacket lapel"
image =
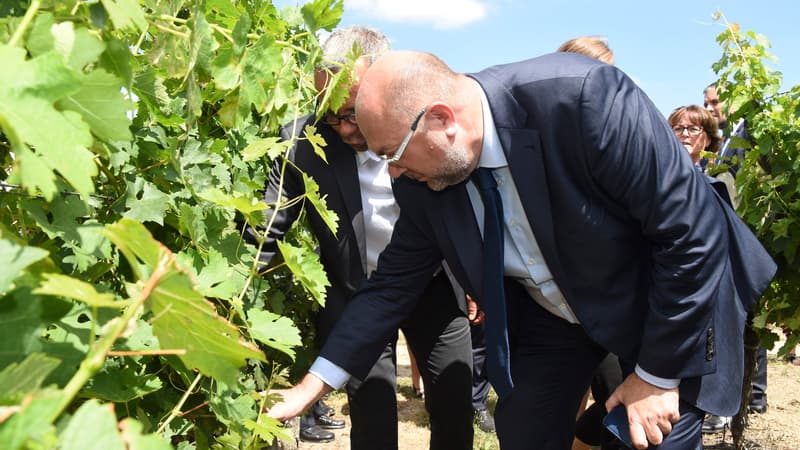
x,y
463,249
344,166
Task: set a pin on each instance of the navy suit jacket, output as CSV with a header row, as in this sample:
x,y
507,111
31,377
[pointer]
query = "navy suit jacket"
x,y
643,250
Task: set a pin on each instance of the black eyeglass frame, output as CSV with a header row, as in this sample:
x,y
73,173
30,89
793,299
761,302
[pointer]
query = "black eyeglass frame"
x,y
349,118
404,144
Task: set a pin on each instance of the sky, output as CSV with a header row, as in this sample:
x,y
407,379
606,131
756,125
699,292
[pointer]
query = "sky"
x,y
667,47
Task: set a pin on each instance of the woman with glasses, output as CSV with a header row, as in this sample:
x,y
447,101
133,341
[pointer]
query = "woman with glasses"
x,y
697,130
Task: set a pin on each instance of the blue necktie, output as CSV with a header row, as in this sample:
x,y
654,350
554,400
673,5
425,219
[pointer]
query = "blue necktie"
x,y
493,298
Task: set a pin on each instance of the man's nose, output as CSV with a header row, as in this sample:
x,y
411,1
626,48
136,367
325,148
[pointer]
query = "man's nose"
x,y
396,172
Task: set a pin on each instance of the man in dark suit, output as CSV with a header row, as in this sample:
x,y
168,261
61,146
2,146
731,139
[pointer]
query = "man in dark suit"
x,y
356,186
613,242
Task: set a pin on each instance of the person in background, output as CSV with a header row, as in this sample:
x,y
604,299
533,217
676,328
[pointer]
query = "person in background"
x,y
357,187
729,152
480,379
597,232
593,46
416,378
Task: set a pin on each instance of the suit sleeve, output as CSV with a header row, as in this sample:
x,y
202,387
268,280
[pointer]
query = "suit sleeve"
x,y
643,171
405,268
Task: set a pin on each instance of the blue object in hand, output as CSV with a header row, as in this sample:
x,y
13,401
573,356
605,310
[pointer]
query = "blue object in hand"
x,y
617,423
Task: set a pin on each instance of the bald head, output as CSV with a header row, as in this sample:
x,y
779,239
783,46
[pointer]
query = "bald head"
x,y
442,150
400,83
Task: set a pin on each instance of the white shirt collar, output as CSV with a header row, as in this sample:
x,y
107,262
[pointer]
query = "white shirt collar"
x,y
492,155
367,155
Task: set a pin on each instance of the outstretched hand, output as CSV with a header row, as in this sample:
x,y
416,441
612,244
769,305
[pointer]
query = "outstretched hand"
x,y
651,410
299,398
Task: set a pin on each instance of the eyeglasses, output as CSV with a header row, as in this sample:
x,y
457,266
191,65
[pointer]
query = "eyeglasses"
x,y
335,119
693,130
402,148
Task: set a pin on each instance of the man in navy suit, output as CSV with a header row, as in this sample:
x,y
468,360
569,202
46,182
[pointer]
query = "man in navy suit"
x,y
613,242
357,187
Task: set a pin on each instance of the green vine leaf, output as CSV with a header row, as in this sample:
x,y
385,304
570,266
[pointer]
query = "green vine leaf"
x,y
312,194
16,259
65,286
18,379
183,319
307,269
317,142
27,92
274,331
125,14
93,427
102,106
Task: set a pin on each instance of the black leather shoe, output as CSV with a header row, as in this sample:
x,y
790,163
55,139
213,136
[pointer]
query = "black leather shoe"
x,y
315,434
329,423
484,420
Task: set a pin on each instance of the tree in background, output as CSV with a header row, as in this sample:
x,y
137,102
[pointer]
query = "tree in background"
x,y
135,137
768,183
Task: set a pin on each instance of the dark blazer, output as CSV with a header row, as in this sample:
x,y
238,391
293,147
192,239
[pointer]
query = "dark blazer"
x,y
644,252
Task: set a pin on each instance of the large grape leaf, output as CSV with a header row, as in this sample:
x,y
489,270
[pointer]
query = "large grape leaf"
x,y
17,380
15,259
183,319
312,194
260,64
125,14
135,440
93,427
217,278
307,269
24,317
102,106
322,14
27,92
121,380
66,286
145,202
275,331
33,423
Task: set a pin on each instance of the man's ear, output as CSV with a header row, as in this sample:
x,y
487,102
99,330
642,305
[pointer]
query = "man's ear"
x,y
441,116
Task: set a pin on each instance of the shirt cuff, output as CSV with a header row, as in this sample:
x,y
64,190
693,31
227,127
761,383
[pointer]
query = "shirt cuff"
x,y
331,374
663,383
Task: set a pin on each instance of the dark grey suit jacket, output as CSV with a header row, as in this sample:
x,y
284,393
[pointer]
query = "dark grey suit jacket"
x,y
644,252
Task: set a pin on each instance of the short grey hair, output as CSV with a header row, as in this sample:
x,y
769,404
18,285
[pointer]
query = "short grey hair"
x,y
371,42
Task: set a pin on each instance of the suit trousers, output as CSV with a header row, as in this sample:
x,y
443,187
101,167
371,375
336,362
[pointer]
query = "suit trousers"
x,y
438,334
552,364
480,381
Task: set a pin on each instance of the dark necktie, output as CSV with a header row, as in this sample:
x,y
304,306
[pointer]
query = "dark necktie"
x,y
493,299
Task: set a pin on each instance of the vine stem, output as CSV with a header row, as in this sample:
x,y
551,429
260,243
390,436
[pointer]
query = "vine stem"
x,y
97,355
26,20
176,411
